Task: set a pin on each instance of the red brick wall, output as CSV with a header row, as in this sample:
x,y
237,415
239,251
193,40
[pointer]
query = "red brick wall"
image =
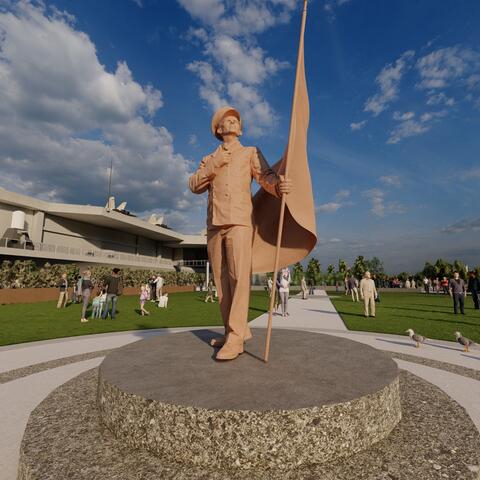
x,y
33,295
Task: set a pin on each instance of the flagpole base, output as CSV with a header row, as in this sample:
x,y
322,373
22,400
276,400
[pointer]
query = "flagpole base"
x,y
319,398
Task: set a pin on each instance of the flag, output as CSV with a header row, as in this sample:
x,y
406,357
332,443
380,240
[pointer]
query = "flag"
x,y
299,227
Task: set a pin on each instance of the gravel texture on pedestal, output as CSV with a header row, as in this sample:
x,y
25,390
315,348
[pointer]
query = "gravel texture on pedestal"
x,y
320,398
65,438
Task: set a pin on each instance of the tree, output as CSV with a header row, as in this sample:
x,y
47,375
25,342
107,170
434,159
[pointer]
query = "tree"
x,y
375,266
459,266
297,273
443,268
313,270
359,267
342,267
429,270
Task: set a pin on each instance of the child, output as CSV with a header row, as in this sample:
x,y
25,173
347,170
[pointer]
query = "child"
x,y
144,294
98,303
163,301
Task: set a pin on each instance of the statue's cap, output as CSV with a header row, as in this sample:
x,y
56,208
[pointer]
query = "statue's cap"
x,y
220,114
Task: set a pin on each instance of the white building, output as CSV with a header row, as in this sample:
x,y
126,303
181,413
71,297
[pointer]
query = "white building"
x,y
84,234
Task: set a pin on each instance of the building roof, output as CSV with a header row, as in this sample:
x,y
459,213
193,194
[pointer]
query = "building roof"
x,y
100,216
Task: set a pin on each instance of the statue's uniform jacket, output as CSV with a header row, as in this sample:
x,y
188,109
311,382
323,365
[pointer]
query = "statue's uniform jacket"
x,y
229,192
229,224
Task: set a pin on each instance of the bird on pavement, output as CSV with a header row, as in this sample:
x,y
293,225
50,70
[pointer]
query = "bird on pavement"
x,y
466,342
418,339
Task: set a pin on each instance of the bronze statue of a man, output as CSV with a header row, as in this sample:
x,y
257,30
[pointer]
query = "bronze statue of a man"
x,y
227,174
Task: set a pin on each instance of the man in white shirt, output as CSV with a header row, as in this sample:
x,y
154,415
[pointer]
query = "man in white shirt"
x,y
368,292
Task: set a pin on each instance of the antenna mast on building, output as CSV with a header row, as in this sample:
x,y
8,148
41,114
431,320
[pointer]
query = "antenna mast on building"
x,y
110,178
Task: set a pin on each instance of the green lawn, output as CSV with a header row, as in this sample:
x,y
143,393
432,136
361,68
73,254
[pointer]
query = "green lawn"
x,y
41,321
430,315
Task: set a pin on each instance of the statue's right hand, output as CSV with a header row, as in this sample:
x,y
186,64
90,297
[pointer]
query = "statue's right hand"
x,y
220,159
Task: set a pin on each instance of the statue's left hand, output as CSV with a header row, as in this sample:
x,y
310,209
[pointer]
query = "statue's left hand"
x,y
285,185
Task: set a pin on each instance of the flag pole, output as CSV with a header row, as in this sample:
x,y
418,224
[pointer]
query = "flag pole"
x,y
283,201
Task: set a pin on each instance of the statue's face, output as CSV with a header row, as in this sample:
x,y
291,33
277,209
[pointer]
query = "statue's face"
x,y
229,125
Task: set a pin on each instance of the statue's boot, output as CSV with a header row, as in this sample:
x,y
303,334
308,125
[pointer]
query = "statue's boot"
x,y
230,351
220,341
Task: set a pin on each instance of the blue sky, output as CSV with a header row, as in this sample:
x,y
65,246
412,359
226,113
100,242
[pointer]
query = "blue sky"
x,y
394,92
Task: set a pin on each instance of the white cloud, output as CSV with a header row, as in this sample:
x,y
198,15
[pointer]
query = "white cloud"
x,y
440,98
329,207
466,225
407,129
192,139
441,67
234,68
139,3
340,201
342,194
379,207
428,116
331,5
388,81
64,116
401,117
243,64
357,126
391,180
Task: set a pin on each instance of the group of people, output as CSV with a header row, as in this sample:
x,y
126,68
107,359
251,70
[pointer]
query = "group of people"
x,y
458,288
105,302
367,289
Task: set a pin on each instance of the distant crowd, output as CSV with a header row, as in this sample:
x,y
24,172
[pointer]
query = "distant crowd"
x,y
456,287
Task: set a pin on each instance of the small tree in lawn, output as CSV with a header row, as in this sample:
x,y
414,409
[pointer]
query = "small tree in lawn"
x,y
342,268
297,273
330,275
313,272
359,266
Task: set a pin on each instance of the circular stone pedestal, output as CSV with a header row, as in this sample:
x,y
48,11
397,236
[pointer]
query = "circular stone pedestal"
x,y
319,398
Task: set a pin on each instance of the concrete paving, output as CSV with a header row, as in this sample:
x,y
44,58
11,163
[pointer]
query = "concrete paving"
x,y
465,391
317,314
18,398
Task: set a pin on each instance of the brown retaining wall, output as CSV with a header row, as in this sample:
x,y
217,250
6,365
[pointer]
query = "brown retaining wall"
x,y
33,295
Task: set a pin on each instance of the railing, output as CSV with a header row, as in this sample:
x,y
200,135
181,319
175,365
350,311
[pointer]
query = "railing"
x,y
90,253
192,263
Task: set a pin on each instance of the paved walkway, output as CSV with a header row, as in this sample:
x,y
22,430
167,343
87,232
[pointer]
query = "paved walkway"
x,y
317,314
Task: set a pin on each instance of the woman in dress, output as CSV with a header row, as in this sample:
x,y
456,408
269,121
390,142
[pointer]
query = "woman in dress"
x,y
283,285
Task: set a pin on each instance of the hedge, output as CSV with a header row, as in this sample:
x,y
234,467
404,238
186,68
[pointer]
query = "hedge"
x,y
26,274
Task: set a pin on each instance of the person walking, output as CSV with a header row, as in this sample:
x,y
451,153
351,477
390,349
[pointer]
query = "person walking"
x,y
114,288
86,289
303,285
283,286
78,289
458,291
144,290
352,287
474,288
63,294
269,286
159,286
209,292
445,283
368,292
311,286
152,285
